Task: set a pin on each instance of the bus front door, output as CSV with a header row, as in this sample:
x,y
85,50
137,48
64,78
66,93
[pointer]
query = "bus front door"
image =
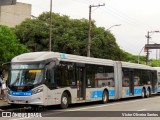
x,y
80,75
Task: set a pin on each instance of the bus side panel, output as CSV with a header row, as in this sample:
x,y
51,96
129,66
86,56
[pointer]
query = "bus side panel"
x,y
118,80
138,90
54,96
125,92
95,94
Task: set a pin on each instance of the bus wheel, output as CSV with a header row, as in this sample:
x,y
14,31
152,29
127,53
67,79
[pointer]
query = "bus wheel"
x,y
148,94
105,97
143,93
64,100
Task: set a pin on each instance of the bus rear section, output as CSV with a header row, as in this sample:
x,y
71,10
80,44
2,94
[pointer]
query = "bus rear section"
x,y
138,80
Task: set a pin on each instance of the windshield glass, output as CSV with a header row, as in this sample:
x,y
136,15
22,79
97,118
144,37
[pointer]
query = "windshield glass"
x,y
25,77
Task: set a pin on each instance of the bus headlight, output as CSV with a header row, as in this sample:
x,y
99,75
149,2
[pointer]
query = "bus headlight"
x,y
37,90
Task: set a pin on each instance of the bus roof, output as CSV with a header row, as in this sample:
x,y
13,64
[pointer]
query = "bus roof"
x,y
136,66
157,68
40,56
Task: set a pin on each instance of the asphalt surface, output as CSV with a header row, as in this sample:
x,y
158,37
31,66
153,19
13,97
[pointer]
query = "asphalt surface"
x,y
125,109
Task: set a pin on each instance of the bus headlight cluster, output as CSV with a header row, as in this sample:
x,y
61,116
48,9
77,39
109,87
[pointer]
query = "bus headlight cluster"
x,y
37,90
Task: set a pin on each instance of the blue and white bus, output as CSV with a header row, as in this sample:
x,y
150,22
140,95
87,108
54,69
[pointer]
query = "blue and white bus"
x,y
52,78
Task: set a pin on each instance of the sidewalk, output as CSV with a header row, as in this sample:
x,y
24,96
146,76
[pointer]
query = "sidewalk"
x,y
3,105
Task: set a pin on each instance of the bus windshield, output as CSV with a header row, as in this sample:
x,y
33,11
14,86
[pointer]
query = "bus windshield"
x,y
25,75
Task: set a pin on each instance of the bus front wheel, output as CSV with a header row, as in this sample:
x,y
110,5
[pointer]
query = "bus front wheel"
x,y
64,100
105,97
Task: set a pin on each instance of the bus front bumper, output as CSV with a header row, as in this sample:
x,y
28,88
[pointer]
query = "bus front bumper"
x,y
35,99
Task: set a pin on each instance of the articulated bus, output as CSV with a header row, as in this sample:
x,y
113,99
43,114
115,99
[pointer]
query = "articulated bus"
x,y
51,78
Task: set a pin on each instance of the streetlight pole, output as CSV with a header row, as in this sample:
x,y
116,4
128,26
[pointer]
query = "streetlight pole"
x,y
50,28
139,55
89,30
113,26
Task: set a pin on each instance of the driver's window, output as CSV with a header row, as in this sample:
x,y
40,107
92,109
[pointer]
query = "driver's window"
x,y
50,73
50,76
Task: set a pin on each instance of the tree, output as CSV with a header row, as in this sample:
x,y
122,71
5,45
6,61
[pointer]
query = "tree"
x,y
10,45
68,36
155,63
33,34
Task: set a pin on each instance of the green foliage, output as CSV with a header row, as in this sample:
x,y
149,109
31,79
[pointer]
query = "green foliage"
x,y
33,33
155,63
134,58
68,36
10,46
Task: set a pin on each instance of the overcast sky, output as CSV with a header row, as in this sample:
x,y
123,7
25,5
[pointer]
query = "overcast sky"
x,y
136,17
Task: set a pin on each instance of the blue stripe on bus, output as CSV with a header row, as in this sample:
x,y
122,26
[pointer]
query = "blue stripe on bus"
x,y
155,90
136,91
127,92
111,92
98,94
28,93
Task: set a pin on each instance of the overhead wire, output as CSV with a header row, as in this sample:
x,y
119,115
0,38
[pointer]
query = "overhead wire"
x,y
128,17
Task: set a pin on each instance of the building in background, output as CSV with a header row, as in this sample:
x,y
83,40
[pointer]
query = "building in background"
x,y
12,15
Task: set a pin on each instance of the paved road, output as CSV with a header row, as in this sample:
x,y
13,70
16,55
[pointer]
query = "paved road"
x,y
133,107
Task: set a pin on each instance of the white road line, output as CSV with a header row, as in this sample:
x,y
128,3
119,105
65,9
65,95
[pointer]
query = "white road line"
x,y
99,106
20,118
142,110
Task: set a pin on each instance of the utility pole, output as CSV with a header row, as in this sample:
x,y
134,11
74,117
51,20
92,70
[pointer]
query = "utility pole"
x,y
89,30
147,54
148,37
50,27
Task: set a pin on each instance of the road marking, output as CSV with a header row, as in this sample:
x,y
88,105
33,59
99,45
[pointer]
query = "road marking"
x,y
142,110
99,106
21,118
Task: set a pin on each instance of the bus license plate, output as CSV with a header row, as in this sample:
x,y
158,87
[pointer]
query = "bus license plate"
x,y
19,101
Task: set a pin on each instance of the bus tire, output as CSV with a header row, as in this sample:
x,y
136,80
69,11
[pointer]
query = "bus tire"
x,y
148,93
143,94
64,100
105,97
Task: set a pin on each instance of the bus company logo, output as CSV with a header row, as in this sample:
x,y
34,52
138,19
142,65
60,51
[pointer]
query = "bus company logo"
x,y
6,114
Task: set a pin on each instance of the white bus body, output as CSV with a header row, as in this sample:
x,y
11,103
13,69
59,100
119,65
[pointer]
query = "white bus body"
x,y
51,78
